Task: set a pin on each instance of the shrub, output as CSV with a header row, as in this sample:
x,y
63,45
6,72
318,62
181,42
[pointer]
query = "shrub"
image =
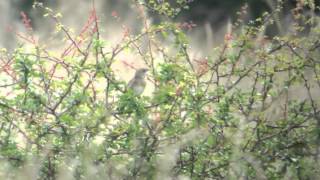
x,y
247,110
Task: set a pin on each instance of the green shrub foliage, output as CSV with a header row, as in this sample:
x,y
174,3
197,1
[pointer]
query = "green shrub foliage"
x,y
249,109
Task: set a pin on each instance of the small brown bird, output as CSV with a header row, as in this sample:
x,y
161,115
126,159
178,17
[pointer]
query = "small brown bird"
x,y
137,83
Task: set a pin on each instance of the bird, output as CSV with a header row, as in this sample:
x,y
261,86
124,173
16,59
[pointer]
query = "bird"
x,y
138,83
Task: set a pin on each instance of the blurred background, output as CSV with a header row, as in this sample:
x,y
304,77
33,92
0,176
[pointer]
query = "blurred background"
x,y
211,17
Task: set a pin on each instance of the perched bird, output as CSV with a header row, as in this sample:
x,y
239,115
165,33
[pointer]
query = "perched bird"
x,y
137,83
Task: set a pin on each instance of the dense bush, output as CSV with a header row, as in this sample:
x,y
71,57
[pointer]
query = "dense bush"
x,y
249,110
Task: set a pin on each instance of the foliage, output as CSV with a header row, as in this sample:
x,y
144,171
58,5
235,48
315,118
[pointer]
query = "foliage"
x,y
250,109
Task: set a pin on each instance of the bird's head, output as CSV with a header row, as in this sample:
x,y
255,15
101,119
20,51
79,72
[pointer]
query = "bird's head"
x,y
140,73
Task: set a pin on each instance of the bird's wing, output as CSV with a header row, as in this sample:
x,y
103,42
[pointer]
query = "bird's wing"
x,y
130,83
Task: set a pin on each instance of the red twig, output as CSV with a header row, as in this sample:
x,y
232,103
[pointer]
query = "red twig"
x,y
92,19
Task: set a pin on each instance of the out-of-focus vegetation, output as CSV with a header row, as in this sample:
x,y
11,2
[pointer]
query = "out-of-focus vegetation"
x,y
248,110
213,12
